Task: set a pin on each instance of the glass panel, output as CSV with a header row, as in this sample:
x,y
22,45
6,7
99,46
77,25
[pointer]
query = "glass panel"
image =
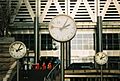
x,y
111,41
46,42
83,42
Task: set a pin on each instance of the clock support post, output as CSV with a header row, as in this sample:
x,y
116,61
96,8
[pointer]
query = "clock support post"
x,y
17,69
99,47
101,73
36,32
68,53
64,50
62,62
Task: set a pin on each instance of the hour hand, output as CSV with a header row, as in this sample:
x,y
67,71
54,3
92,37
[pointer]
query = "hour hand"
x,y
55,27
19,48
102,57
66,25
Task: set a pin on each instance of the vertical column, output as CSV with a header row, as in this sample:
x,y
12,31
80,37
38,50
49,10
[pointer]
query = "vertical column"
x,y
36,32
62,62
101,78
68,53
18,70
99,47
36,39
98,35
67,45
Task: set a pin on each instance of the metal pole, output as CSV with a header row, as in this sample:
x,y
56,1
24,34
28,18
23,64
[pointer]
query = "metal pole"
x,y
98,29
68,43
18,70
36,32
68,53
99,47
98,35
101,74
62,62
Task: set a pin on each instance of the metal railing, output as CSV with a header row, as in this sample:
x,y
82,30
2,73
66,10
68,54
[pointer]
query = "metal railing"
x,y
48,77
9,72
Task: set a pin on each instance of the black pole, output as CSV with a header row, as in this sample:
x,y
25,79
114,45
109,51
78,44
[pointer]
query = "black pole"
x,y
36,32
99,47
98,35
68,53
62,62
36,38
18,78
99,44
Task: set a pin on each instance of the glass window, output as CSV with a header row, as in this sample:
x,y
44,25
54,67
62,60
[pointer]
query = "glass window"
x,y
28,40
111,41
46,42
82,42
113,62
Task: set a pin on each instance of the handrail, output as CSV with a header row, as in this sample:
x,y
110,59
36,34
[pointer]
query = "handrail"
x,y
9,72
52,70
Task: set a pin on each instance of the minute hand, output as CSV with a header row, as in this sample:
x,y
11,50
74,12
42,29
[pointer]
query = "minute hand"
x,y
64,25
102,57
19,48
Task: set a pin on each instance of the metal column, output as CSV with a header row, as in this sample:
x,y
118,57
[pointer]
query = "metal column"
x,y
18,70
36,32
68,53
98,35
99,47
62,62
68,43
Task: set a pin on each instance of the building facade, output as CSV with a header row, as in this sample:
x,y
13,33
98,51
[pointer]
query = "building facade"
x,y
84,13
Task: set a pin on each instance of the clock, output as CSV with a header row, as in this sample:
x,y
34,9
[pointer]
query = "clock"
x,y
62,28
101,58
17,49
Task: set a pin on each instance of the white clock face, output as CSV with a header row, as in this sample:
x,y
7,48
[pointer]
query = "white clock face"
x,y
62,28
101,58
17,49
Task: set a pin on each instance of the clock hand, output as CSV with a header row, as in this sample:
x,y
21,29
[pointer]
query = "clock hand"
x,y
54,27
65,22
19,48
102,57
64,25
61,28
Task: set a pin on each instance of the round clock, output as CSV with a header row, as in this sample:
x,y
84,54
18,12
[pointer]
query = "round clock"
x,y
62,28
17,49
101,58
